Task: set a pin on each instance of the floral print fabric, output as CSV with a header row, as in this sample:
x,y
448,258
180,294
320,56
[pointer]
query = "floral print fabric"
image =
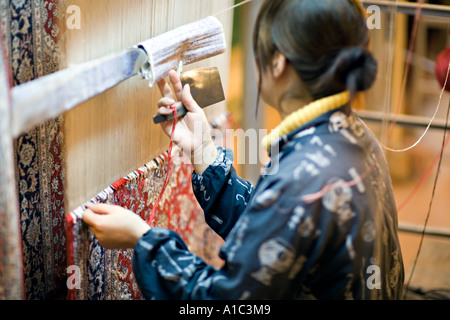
x,y
304,231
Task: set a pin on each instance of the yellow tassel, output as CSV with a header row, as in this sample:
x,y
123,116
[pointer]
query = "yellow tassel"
x,y
306,114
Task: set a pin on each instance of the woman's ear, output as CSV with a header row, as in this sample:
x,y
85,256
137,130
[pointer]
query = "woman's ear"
x,y
278,64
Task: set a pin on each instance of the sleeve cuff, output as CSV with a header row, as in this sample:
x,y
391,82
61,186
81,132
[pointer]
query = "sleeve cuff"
x,y
223,161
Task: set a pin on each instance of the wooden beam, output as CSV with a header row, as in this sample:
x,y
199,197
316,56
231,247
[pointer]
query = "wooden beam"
x,y
61,91
401,119
409,8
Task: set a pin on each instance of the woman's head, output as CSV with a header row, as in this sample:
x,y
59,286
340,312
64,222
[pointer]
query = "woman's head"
x,y
325,41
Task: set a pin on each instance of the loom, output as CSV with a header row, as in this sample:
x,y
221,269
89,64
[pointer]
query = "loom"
x,y
59,92
85,97
105,29
10,251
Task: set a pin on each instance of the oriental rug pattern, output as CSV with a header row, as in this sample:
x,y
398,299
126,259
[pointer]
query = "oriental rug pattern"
x,y
32,38
108,274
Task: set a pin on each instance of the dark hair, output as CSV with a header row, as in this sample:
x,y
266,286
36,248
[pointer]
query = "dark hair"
x,y
326,41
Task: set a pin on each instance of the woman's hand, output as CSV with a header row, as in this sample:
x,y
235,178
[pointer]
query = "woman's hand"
x,y
114,226
192,133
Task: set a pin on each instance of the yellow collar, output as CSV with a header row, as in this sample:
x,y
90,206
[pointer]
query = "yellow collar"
x,y
304,115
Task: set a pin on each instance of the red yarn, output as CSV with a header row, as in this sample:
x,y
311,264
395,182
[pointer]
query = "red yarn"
x,y
169,168
441,68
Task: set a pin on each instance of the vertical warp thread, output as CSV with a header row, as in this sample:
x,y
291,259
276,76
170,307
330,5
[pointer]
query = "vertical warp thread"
x,y
169,169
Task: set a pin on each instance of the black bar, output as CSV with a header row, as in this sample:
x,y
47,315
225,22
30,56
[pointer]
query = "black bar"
x,y
401,119
159,118
410,228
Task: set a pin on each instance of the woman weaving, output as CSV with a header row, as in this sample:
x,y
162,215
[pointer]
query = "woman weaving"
x,y
321,222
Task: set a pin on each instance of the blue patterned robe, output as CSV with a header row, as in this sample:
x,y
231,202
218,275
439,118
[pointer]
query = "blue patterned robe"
x,y
284,239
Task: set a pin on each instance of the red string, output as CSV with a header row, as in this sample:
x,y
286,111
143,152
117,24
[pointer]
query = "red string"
x,y
310,198
169,168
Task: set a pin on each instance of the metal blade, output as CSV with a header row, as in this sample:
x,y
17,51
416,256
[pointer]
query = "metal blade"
x,y
206,85
206,89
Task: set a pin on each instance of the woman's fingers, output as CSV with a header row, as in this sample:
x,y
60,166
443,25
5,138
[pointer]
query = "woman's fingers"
x,y
166,90
164,111
176,84
188,100
181,93
99,208
91,218
165,102
165,105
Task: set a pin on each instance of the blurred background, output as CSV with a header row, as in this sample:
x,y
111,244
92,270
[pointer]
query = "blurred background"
x,y
406,92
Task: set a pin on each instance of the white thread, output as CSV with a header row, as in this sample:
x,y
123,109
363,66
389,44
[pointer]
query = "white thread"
x,y
385,147
232,7
429,124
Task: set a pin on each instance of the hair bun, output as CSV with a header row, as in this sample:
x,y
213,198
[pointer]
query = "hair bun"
x,y
356,68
